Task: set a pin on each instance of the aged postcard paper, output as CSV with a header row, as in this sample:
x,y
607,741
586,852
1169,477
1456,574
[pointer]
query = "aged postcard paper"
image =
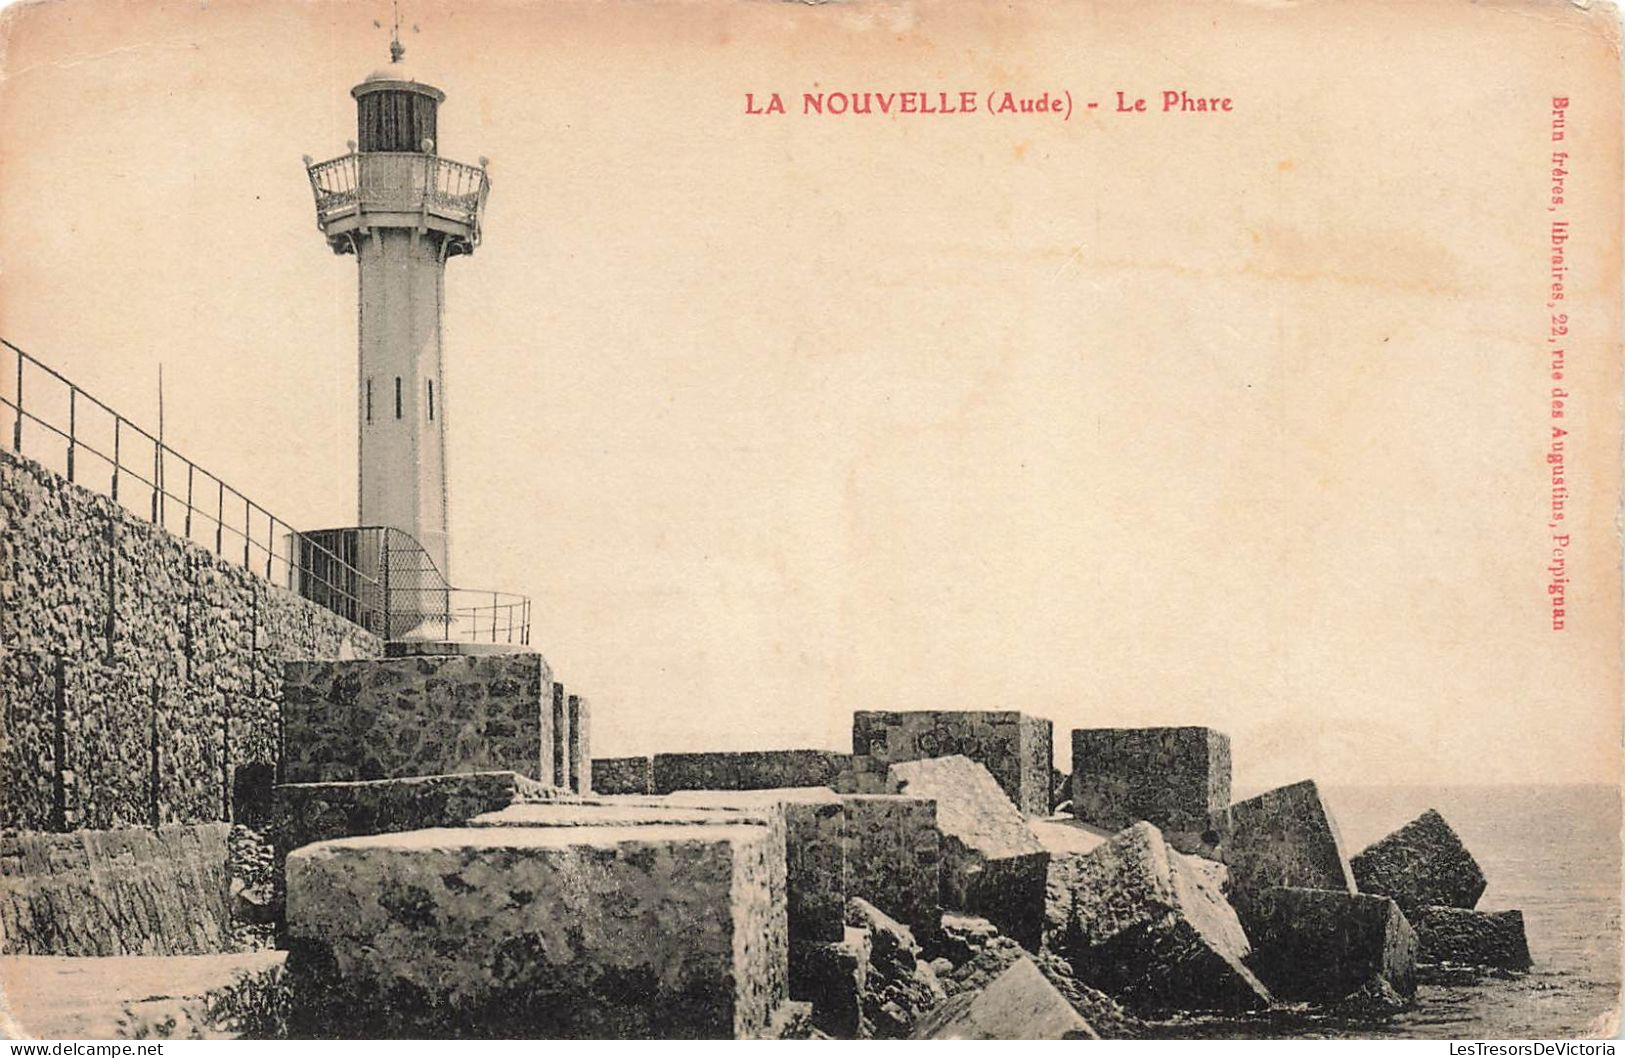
x,y
874,519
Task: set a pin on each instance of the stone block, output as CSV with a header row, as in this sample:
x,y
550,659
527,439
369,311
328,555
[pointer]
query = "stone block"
x,y
759,770
606,932
561,738
623,775
893,857
1332,946
1020,1004
580,745
1064,836
815,856
131,891
1461,937
830,975
345,721
992,865
1421,864
1150,927
1175,778
1285,837
303,813
1016,749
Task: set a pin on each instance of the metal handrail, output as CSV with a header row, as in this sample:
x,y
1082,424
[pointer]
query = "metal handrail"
x,y
140,463
344,184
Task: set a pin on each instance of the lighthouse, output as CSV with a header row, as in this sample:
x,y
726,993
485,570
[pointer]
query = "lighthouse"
x,y
402,211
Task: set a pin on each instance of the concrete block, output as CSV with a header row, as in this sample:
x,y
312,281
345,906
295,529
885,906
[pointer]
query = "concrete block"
x,y
894,857
1285,837
623,775
345,721
1020,1004
815,856
992,865
757,770
1150,927
610,932
1331,946
580,745
1175,778
1461,937
1015,748
1421,864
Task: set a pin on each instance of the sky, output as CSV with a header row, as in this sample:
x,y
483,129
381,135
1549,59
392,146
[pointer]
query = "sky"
x,y
1123,419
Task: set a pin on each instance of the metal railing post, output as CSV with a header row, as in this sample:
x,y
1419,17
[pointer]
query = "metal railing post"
x,y
73,415
220,519
248,530
157,477
189,474
116,437
17,428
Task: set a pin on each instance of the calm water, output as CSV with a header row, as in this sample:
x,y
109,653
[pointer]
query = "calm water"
x,y
1552,852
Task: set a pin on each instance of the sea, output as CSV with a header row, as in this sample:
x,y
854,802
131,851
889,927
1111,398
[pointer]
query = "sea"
x,y
1552,852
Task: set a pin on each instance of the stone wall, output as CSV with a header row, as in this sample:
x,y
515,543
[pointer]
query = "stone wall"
x,y
1016,748
760,770
138,671
135,891
394,718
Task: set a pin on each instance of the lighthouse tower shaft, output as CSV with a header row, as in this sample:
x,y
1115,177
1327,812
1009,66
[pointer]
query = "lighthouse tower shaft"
x,y
401,388
403,211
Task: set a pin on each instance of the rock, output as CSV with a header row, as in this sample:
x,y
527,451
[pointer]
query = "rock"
x,y
1332,946
992,865
791,1021
1060,786
960,937
1421,864
656,931
1176,778
1462,937
1144,924
898,988
831,976
1285,837
1021,1004
1016,749
979,953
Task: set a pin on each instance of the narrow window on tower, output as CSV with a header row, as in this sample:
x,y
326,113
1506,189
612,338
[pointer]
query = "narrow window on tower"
x,y
369,400
397,396
431,400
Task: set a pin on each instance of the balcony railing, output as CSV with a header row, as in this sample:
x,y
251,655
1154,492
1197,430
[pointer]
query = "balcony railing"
x,y
399,182
380,578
